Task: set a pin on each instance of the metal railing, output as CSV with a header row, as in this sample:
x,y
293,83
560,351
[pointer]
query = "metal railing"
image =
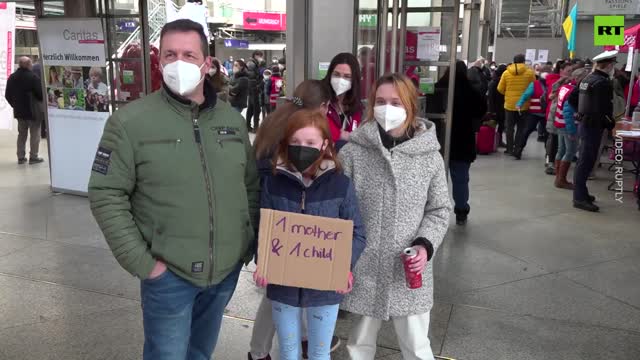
x,y
157,19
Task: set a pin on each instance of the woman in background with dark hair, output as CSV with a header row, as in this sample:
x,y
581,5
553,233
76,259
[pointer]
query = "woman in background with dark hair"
x,y
345,110
239,91
468,107
496,102
218,79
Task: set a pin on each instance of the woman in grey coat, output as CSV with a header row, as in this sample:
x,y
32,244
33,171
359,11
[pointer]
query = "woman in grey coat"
x,y
400,182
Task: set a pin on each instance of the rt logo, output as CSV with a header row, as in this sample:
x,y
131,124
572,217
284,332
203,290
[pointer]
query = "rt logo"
x,y
608,30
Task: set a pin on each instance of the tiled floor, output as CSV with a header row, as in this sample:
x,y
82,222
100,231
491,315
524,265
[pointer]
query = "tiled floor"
x,y
528,278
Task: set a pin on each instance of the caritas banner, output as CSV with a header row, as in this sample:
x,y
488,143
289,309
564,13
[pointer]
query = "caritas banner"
x,y
253,20
7,46
77,95
72,42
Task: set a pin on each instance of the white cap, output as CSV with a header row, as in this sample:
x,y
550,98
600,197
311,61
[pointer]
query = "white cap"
x,y
607,55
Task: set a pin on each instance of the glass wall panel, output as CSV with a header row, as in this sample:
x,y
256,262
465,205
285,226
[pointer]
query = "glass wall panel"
x,y
366,38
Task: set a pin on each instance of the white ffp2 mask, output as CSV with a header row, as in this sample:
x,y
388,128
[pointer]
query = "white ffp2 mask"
x,y
340,85
389,117
182,77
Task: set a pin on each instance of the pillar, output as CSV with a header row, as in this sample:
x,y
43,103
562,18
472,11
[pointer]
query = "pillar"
x,y
485,28
331,25
296,55
470,25
317,30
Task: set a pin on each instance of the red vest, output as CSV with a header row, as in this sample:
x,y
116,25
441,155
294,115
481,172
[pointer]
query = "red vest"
x,y
563,95
535,104
333,117
276,86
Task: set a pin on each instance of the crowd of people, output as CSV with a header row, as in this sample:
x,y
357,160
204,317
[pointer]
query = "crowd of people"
x,y
253,85
322,152
572,104
178,202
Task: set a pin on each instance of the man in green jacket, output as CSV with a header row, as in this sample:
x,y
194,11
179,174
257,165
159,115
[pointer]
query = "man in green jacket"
x,y
175,190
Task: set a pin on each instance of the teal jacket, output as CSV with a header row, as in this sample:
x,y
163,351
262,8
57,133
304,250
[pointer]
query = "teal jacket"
x,y
177,182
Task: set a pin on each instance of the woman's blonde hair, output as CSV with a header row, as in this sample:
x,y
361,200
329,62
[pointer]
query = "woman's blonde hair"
x,y
408,96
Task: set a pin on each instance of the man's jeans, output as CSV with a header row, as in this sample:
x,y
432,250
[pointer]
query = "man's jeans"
x,y
182,321
460,183
533,121
515,120
25,128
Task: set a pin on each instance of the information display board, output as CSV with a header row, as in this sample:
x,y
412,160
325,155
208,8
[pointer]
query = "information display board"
x,y
77,95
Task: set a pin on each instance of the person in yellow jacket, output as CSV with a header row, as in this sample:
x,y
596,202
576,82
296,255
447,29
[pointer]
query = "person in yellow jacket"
x,y
512,85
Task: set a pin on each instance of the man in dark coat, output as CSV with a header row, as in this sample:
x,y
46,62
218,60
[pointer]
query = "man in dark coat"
x,y
478,77
595,110
255,68
468,108
23,88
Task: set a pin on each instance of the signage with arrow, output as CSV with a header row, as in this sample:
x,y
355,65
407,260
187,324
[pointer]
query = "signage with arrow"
x,y
253,20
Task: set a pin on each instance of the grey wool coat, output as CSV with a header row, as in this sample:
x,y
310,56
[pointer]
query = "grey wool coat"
x,y
402,195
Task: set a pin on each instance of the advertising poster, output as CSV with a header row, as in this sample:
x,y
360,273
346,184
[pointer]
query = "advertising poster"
x,y
427,85
7,44
429,44
530,56
543,56
323,67
73,54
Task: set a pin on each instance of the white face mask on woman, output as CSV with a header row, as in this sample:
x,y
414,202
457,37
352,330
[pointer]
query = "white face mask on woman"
x,y
182,77
340,85
389,117
212,71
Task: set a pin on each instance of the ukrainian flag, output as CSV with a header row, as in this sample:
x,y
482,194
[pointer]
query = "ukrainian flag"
x,y
569,26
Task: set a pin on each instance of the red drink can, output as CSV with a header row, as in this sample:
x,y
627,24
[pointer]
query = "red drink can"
x,y
414,279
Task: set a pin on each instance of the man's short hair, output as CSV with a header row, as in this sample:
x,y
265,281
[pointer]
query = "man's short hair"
x,y
24,62
184,26
519,59
257,53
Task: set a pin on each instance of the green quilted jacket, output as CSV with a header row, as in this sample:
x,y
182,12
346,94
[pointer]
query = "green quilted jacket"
x,y
177,182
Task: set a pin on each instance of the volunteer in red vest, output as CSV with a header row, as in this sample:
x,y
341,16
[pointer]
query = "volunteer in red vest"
x,y
276,87
345,110
567,128
535,95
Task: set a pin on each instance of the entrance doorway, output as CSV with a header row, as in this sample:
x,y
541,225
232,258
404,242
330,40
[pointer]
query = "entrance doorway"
x,y
419,38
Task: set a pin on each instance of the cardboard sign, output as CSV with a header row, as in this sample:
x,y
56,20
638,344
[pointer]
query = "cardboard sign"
x,y
304,251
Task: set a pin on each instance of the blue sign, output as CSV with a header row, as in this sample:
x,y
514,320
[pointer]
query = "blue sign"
x,y
129,25
234,43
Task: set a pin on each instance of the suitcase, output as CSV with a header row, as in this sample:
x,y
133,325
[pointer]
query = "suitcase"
x,y
486,141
